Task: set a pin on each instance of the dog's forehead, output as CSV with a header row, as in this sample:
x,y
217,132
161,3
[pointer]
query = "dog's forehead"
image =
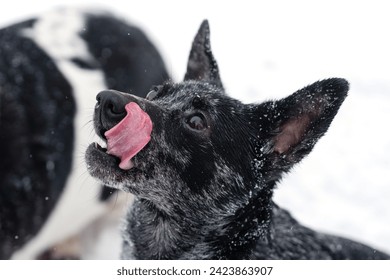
x,y
181,95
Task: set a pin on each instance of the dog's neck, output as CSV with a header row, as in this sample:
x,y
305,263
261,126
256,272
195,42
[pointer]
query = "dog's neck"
x,y
153,234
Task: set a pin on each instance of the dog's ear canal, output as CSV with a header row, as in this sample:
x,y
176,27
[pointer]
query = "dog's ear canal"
x,y
289,128
201,63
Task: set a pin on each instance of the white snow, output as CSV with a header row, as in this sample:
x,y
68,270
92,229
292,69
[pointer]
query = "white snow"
x,y
269,49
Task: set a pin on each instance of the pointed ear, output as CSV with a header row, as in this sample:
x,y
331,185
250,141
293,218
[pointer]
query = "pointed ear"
x,y
201,63
292,126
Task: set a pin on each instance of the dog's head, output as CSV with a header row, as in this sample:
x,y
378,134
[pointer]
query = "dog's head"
x,y
188,144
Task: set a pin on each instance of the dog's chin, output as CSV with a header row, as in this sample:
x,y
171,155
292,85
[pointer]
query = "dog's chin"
x,y
105,168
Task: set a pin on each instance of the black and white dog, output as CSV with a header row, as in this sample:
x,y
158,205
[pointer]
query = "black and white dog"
x,y
203,167
50,70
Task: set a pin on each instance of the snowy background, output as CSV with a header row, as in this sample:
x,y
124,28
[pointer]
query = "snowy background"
x,y
269,49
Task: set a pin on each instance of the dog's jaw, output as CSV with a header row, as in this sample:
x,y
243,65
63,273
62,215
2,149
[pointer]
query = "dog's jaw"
x,y
104,167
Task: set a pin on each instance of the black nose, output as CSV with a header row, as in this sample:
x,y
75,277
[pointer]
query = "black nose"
x,y
111,105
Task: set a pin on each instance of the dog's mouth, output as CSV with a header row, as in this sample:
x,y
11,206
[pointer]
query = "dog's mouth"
x,y
127,138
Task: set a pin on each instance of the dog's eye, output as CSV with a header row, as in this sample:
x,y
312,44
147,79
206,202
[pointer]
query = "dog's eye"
x,y
153,93
197,122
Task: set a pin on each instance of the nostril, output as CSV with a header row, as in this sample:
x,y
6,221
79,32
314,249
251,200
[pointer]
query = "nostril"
x,y
111,105
114,109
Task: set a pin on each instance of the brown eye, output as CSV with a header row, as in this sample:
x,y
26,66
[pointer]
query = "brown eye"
x,y
197,122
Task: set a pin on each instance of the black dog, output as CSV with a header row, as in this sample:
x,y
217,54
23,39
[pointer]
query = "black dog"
x,y
49,67
203,167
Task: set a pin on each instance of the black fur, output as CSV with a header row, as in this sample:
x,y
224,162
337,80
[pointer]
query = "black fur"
x,y
204,182
36,112
37,109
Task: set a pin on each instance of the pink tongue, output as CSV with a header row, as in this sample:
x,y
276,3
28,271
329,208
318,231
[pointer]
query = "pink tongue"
x,y
130,135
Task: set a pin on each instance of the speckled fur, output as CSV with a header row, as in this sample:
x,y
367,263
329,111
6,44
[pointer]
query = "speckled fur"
x,y
207,193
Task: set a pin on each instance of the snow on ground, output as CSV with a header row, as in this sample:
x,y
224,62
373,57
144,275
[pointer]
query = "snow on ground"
x,y
268,50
